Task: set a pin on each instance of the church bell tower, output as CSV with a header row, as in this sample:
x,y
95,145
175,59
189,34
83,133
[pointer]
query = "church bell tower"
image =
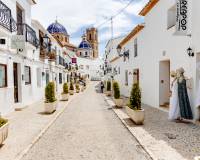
x,y
92,38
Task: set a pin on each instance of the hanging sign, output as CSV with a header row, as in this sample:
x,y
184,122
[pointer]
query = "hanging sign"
x,y
181,17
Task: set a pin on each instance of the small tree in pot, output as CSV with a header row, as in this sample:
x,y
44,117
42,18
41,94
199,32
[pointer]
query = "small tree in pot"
x,y
4,125
65,96
108,88
118,101
134,110
77,88
71,88
50,105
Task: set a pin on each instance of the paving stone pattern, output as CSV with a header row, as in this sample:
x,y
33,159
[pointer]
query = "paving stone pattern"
x,y
184,137
89,130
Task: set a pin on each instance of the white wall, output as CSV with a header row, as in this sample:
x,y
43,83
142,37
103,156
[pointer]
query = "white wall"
x,y
157,43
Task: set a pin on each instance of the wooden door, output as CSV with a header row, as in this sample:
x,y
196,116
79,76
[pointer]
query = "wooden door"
x,y
15,77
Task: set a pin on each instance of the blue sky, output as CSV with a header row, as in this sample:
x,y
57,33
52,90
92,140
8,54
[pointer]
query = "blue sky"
x,y
77,15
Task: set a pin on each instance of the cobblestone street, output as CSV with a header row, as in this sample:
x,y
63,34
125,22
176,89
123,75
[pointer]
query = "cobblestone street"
x,y
87,129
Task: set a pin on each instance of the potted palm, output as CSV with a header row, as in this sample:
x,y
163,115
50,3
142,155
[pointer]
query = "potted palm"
x,y
134,110
50,102
3,130
77,88
108,88
65,96
118,101
71,88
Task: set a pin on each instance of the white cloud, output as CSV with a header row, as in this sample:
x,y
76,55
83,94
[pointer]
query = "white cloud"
x,y
76,14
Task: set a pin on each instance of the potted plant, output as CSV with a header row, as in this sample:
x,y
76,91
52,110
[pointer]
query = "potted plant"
x,y
71,88
3,130
77,88
82,88
50,102
108,88
134,110
65,96
118,101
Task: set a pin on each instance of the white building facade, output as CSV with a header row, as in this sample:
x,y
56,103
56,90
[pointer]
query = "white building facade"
x,y
24,73
155,49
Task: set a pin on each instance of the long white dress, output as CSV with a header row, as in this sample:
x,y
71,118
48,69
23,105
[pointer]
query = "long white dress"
x,y
174,110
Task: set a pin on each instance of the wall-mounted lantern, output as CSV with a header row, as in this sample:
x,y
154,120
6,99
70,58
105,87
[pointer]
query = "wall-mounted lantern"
x,y
47,41
126,55
190,52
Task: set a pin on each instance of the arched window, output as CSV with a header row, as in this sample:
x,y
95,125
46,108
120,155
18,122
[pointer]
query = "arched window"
x,y
90,36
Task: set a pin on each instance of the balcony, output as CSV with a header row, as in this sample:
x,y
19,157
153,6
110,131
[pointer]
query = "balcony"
x,y
6,20
52,54
29,33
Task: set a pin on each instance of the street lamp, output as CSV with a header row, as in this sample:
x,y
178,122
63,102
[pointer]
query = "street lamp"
x,y
47,42
190,52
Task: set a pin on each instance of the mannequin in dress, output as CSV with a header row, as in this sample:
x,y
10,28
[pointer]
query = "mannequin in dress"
x,y
184,103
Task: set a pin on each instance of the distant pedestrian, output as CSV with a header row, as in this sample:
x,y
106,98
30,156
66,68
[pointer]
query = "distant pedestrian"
x,y
102,86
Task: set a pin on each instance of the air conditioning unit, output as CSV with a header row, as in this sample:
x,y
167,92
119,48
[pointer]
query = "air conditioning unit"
x,y
3,42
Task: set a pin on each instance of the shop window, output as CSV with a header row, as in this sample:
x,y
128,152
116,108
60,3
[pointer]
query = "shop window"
x,y
27,75
3,75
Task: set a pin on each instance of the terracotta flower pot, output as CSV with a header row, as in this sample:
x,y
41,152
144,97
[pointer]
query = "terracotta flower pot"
x,y
119,102
50,107
4,132
136,115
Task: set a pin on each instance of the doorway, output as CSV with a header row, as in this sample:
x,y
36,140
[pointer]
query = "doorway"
x,y
136,76
164,83
15,79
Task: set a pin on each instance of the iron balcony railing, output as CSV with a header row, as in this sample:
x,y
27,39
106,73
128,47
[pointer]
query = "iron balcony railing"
x,y
29,33
6,19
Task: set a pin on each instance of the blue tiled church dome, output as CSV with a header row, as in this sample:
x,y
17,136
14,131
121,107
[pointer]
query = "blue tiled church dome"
x,y
57,28
84,44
